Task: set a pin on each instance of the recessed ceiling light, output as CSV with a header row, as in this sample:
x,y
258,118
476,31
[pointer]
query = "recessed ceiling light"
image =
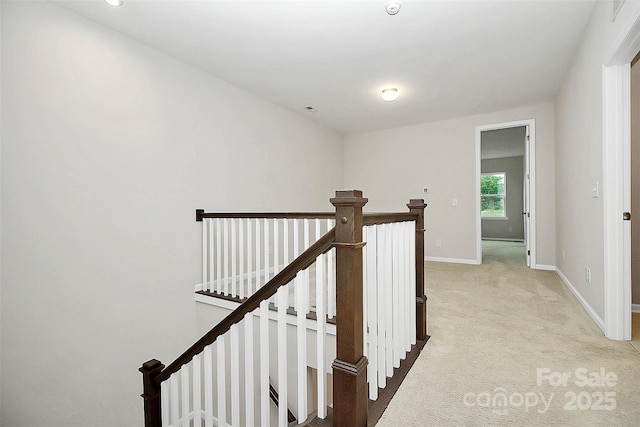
x,y
114,3
390,93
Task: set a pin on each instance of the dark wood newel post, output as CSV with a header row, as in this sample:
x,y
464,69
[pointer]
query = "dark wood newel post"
x,y
350,394
417,206
151,393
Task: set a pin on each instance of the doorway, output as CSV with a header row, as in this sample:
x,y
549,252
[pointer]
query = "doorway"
x,y
502,194
505,157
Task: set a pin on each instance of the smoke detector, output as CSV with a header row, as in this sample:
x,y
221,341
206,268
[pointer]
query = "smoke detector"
x,y
392,7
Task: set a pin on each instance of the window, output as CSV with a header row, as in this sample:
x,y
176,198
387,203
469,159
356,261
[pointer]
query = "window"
x,y
493,190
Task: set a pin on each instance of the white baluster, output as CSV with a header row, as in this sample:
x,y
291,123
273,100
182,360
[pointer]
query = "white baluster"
x,y
285,242
235,376
372,301
389,299
276,246
296,252
406,329
305,272
165,397
249,383
205,233
258,257
264,363
267,261
397,337
184,400
321,332
302,295
210,263
282,293
226,245
234,258
249,259
241,255
331,280
221,370
175,400
365,305
412,280
208,386
218,255
382,306
197,390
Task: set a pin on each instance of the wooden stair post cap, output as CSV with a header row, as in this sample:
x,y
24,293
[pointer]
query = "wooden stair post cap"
x,y
349,197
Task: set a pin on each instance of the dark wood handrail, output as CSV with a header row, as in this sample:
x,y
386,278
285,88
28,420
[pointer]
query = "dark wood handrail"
x,y
386,218
369,218
200,214
308,257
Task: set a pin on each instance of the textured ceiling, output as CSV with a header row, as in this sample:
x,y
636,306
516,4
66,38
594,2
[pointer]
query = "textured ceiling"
x,y
448,58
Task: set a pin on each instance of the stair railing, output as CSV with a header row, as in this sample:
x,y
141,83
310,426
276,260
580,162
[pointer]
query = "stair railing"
x,y
182,394
242,251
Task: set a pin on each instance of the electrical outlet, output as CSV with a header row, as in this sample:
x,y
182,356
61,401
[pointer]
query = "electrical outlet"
x,y
438,242
454,202
587,275
564,254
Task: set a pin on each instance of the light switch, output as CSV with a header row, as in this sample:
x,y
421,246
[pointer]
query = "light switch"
x,y
454,202
595,191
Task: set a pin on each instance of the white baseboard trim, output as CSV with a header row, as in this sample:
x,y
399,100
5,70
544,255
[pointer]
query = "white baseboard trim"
x,y
451,260
590,311
505,239
635,308
545,267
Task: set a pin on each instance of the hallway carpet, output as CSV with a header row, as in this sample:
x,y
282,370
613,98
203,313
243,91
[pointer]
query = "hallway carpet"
x,y
511,346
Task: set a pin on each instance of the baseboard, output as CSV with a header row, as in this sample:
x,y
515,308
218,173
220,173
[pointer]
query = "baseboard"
x,y
545,267
503,239
635,308
451,260
590,311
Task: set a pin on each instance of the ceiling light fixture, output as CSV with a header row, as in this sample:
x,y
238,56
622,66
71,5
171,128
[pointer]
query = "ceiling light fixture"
x,y
390,93
114,3
392,7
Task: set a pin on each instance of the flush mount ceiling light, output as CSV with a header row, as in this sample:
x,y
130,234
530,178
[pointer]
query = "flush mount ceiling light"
x,y
390,93
114,3
392,7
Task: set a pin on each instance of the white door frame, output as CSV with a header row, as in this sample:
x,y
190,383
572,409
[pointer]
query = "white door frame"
x,y
616,93
532,181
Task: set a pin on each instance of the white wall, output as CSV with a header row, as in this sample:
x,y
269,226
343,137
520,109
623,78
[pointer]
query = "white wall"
x,y
579,151
441,156
108,147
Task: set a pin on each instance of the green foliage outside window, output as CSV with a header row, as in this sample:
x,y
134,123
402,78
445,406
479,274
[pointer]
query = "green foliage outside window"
x,y
493,194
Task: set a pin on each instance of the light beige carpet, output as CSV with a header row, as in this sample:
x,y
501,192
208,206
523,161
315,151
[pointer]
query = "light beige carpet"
x,y
511,346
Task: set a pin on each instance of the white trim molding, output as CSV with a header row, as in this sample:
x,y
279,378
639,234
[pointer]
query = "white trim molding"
x,y
451,260
616,129
590,311
545,267
616,91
